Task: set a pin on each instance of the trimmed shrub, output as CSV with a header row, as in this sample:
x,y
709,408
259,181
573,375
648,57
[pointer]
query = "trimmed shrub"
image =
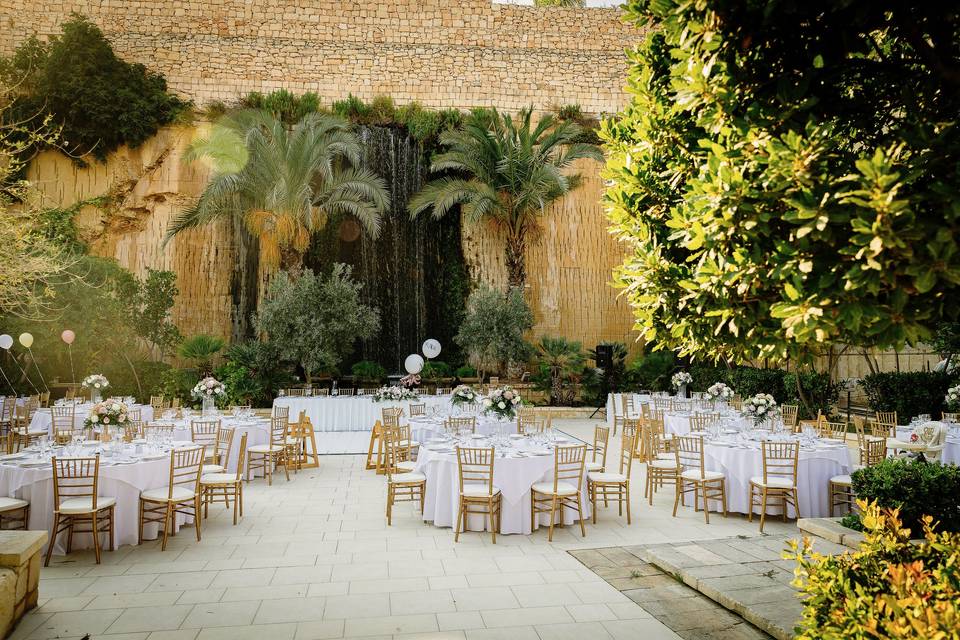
x,y
749,381
466,371
908,393
917,488
367,370
652,371
435,370
705,375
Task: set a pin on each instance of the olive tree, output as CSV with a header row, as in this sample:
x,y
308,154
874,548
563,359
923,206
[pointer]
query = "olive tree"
x,y
492,330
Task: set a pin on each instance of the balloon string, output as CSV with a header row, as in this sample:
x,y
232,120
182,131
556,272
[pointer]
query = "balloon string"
x,y
24,373
9,384
73,376
39,373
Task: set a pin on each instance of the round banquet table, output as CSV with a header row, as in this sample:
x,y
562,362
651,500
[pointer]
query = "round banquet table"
x,y
351,413
513,475
257,430
42,418
815,468
424,428
121,481
951,451
678,423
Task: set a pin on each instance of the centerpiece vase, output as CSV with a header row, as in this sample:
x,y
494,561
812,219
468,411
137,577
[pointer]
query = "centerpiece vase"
x,y
682,391
209,405
95,396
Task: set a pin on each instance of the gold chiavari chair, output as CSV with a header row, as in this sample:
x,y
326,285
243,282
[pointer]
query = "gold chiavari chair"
x,y
267,456
402,458
418,410
206,433
181,495
832,430
226,485
157,403
790,414
240,407
660,471
699,423
872,451
174,403
779,479
63,426
158,430
563,490
347,392
614,486
391,416
365,391
736,402
948,416
493,381
443,391
296,444
14,514
601,438
321,392
632,427
710,485
134,414
477,493
461,424
45,399
281,412
77,502
887,417
7,403
294,392
21,435
133,430
534,424
70,393
402,486
882,429
221,451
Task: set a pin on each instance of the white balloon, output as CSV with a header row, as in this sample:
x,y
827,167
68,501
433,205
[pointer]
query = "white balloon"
x,y
6,341
413,363
431,348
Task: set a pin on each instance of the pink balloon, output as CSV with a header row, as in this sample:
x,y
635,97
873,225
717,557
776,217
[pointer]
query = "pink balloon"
x,y
68,336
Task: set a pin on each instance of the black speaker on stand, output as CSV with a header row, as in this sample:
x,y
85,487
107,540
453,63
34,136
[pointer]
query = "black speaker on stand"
x,y
604,360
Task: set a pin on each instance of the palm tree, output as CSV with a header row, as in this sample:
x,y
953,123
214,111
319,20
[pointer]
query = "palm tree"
x,y
282,182
510,171
202,348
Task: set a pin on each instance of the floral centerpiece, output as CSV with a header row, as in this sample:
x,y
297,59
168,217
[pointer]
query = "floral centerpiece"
x,y
394,393
680,380
111,413
952,399
464,394
96,382
719,391
761,407
208,391
503,402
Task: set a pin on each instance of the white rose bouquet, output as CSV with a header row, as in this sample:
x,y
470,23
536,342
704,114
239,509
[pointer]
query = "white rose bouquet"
x,y
953,398
719,391
394,394
503,402
464,394
680,378
761,407
110,413
209,387
96,381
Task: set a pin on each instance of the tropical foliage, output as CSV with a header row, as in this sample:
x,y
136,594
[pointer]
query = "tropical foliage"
x,y
253,373
492,331
888,588
315,319
507,171
787,175
561,369
283,182
201,349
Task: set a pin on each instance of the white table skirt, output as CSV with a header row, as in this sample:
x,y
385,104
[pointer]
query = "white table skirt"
x,y
679,423
123,482
42,418
351,413
951,452
814,470
258,432
513,476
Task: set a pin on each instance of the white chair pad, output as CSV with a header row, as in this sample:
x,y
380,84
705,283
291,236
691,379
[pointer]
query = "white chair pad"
x,y
563,488
593,466
663,464
774,483
264,448
406,478
218,478
292,441
612,478
10,504
842,479
477,491
85,505
667,456
694,474
406,466
180,494
211,468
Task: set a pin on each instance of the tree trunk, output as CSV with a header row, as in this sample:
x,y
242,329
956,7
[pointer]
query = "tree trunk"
x,y
516,261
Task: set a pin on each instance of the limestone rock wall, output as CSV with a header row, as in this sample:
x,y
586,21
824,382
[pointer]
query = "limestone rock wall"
x,y
443,53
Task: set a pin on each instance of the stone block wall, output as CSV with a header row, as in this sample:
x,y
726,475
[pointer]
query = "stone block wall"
x,y
19,575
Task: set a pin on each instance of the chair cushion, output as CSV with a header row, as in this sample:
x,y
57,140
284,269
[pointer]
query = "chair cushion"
x,y
85,505
290,440
161,495
694,474
663,464
842,479
775,482
478,491
10,504
563,488
404,478
264,448
406,466
211,468
593,466
667,456
218,478
612,478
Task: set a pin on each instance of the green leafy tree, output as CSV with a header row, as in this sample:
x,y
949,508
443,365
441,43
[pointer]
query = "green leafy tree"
x,y
101,101
492,330
148,303
314,320
201,349
283,182
507,171
253,373
787,175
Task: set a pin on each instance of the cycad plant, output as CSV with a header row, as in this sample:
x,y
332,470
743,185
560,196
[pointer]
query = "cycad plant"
x,y
562,364
283,183
507,171
201,349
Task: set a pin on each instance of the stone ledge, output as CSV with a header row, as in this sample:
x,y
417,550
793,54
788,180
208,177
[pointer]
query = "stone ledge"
x,y
831,530
16,547
19,575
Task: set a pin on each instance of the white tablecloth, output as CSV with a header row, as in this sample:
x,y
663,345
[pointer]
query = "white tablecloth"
x,y
257,430
121,481
423,429
951,452
814,471
513,476
679,423
42,418
351,413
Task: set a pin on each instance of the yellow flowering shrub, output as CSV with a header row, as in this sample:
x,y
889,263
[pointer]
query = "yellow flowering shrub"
x,y
889,588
